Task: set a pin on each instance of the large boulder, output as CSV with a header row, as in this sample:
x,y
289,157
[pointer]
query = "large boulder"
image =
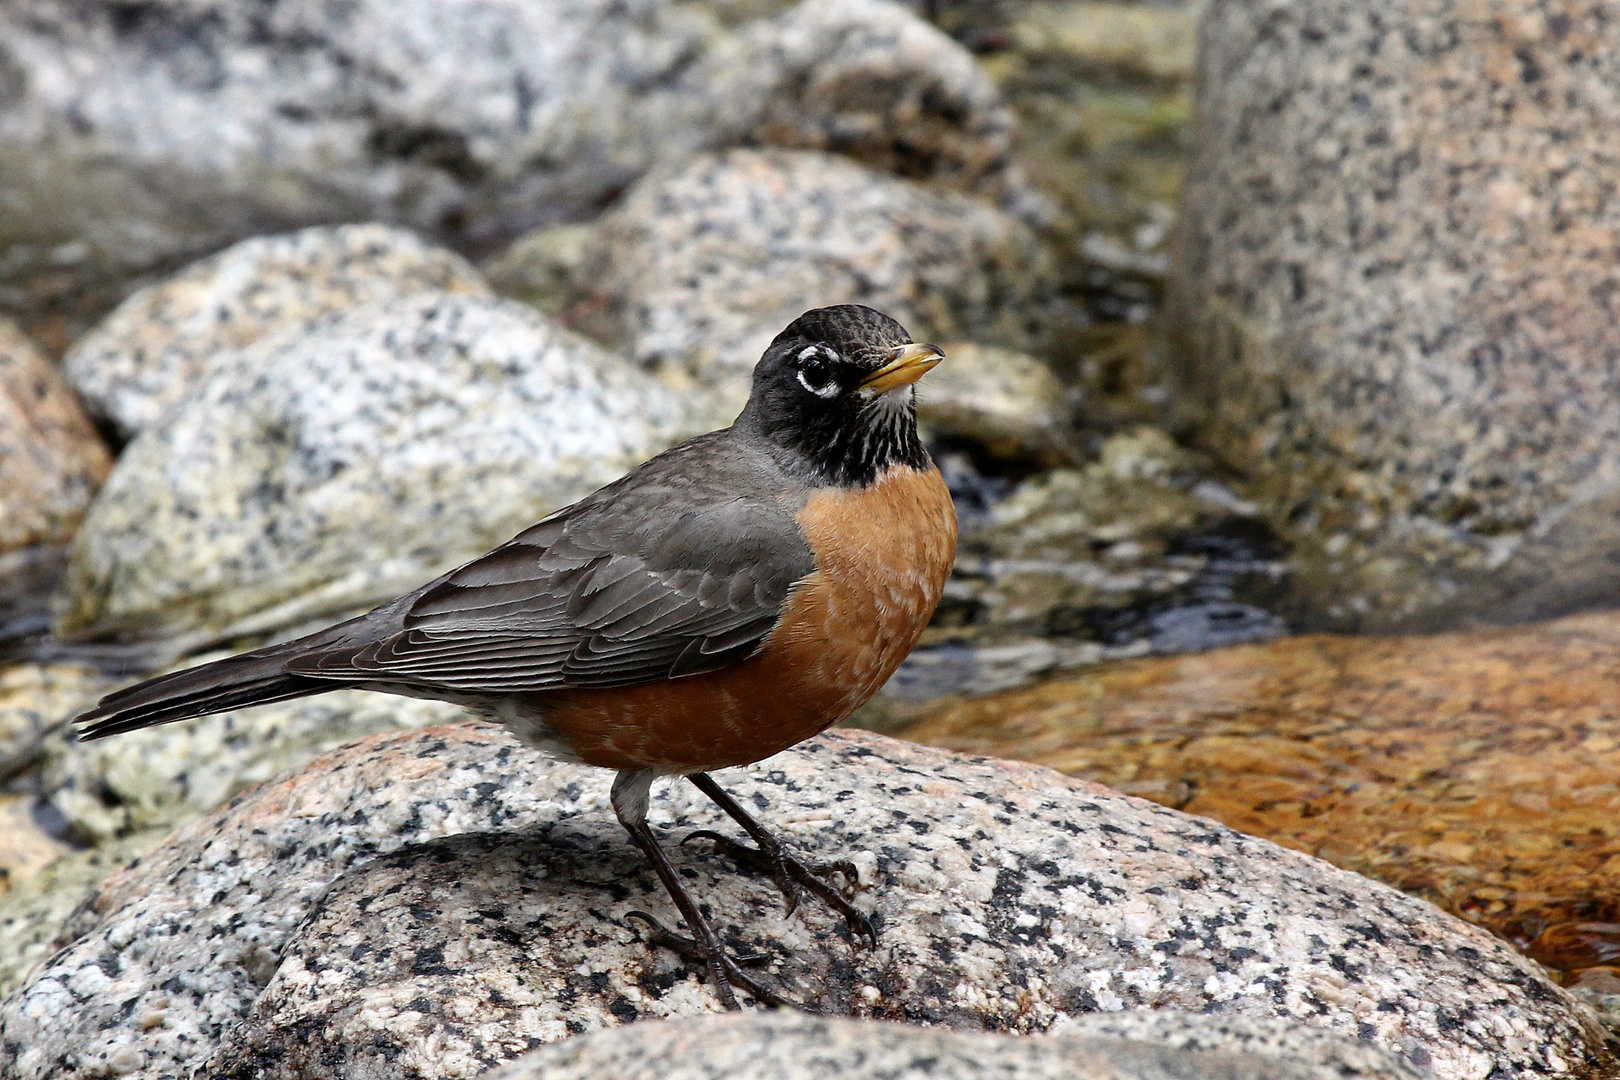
x,y
701,266
329,467
136,137
144,356
1396,298
440,901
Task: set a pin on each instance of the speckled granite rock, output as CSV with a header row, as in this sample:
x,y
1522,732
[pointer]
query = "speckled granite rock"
x,y
703,265
780,1046
1396,298
1006,402
133,139
33,914
123,795
35,696
140,360
388,911
166,776
54,460
319,471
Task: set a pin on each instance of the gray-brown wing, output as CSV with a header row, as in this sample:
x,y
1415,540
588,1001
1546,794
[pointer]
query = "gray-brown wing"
x,y
669,572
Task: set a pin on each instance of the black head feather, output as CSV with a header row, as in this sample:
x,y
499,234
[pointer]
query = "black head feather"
x,y
807,397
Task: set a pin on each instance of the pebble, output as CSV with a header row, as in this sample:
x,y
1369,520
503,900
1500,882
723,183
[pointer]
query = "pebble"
x,y
1006,403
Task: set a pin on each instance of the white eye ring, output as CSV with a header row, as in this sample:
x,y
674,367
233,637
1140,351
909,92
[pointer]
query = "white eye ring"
x,y
827,389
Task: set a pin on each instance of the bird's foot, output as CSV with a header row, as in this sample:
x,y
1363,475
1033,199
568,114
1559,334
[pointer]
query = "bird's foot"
x,y
725,970
794,878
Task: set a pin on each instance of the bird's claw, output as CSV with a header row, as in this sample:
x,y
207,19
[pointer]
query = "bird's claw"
x,y
752,858
726,970
794,878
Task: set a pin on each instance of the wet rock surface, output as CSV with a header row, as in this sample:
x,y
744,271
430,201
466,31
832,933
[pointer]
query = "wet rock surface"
x,y
700,268
812,1048
470,124
1388,340
143,358
1142,550
54,460
1476,770
326,469
389,909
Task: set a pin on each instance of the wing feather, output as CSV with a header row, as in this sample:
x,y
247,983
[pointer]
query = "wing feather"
x,y
668,572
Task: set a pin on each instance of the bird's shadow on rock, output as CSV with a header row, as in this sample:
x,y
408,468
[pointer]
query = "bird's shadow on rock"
x,y
505,940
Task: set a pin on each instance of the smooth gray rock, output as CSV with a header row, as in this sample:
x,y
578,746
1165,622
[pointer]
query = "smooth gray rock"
x,y
1396,299
779,1046
143,357
1313,1049
437,902
1006,402
133,138
703,265
330,467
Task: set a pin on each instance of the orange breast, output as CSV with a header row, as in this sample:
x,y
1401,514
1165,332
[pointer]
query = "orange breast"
x,y
883,553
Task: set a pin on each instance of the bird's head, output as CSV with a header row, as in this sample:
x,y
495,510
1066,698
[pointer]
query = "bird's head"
x,y
835,390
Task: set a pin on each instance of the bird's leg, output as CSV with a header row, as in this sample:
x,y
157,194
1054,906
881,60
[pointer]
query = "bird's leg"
x,y
769,856
630,805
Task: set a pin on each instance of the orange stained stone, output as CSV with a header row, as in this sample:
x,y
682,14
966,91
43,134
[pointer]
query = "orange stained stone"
x,y
1480,770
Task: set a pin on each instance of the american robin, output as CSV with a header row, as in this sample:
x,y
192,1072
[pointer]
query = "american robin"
x,y
733,596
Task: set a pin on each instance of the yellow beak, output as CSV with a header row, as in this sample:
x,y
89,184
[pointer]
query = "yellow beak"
x,y
907,364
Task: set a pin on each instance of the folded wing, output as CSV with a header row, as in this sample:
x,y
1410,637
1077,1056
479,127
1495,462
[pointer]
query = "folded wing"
x,y
648,579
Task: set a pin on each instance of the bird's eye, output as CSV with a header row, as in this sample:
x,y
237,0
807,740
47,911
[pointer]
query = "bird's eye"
x,y
816,376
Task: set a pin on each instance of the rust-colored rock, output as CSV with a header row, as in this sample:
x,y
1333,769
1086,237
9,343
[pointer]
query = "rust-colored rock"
x,y
1481,770
53,459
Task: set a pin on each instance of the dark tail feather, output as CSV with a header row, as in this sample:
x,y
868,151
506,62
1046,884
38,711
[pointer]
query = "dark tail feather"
x,y
254,678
